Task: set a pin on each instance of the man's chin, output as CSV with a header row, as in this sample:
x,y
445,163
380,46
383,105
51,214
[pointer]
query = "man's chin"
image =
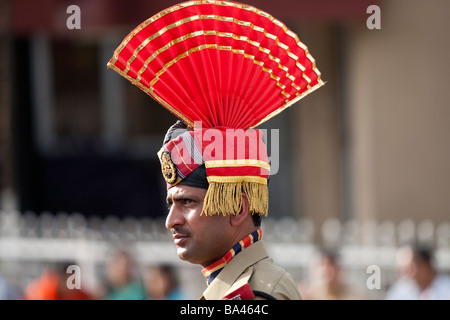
x,y
185,255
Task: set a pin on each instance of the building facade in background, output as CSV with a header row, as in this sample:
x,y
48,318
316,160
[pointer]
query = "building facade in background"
x,y
372,144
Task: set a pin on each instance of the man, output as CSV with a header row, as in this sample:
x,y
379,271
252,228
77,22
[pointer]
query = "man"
x,y
419,278
229,247
327,280
222,68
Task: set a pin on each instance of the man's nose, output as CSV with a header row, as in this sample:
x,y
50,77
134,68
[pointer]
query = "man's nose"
x,y
174,217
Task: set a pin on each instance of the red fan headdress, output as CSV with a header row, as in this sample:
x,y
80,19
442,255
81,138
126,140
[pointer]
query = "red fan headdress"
x,y
223,68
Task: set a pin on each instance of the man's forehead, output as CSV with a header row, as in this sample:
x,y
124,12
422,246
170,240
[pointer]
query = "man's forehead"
x,y
185,190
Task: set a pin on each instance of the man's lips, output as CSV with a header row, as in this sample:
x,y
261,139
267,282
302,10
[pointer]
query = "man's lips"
x,y
179,238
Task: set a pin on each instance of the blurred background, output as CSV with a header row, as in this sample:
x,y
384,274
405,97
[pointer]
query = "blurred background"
x,y
364,161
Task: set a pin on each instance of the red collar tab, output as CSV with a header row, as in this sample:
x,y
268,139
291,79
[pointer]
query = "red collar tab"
x,y
242,293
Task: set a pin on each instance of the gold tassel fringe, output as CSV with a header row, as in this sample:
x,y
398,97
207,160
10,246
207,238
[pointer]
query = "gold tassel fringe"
x,y
226,198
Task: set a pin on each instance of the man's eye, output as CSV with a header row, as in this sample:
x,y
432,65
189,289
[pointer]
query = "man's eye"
x,y
188,201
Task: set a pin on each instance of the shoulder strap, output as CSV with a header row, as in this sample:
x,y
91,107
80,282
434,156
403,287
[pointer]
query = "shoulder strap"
x,y
264,295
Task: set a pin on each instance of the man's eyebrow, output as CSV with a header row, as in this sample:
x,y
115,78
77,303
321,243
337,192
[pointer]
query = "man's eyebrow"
x,y
183,197
179,197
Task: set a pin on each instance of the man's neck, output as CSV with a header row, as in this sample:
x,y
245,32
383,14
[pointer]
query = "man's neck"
x,y
213,269
234,239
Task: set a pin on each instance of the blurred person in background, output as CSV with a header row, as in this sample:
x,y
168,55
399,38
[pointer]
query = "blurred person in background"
x,y
9,291
418,277
326,280
52,285
162,283
122,281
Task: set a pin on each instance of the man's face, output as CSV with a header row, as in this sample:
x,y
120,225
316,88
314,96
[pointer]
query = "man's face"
x,y
199,239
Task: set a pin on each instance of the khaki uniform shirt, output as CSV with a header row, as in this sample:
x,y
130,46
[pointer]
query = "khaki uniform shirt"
x,y
253,266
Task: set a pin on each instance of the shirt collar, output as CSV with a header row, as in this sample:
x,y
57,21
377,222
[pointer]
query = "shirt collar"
x,y
211,271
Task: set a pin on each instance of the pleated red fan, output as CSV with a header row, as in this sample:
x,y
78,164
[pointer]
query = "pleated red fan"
x,y
218,62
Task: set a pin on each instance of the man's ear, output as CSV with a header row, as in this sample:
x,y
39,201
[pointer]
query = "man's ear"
x,y
237,219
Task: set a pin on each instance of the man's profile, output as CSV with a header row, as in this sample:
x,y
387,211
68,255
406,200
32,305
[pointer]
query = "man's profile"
x,y
222,68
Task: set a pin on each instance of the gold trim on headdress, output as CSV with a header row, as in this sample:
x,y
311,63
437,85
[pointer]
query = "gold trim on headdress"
x,y
226,198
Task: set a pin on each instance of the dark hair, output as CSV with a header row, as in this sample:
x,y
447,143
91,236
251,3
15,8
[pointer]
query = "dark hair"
x,y
171,274
256,220
422,253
